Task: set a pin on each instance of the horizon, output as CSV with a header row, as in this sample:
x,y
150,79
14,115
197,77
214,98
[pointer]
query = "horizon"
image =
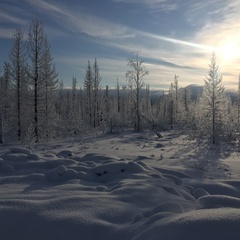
x,y
173,37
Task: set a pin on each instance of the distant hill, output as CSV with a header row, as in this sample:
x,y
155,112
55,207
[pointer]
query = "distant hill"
x,y
195,89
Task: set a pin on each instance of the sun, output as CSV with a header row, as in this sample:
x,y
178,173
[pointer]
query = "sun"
x,y
229,51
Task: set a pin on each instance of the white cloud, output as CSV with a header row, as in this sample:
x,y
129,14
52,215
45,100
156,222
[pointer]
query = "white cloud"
x,y
156,5
221,30
81,22
6,17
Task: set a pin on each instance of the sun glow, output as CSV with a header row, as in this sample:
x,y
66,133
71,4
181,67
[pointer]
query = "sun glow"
x,y
229,51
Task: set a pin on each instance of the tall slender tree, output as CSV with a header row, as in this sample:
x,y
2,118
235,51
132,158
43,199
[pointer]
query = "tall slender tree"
x,y
212,103
238,103
1,128
88,89
43,78
135,78
50,82
36,52
5,91
19,81
96,93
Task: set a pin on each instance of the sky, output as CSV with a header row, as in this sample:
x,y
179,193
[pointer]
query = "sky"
x,y
171,36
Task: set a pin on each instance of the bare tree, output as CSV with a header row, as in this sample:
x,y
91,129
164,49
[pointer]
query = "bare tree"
x,y
36,52
5,91
43,78
1,128
19,81
50,82
135,79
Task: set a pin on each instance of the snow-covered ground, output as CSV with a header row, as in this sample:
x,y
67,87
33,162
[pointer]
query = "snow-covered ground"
x,y
129,186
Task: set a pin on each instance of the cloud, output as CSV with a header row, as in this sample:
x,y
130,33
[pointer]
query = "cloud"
x,y
6,17
6,33
223,34
76,21
156,5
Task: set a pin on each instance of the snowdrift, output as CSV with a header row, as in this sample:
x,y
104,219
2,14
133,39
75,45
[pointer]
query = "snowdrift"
x,y
61,194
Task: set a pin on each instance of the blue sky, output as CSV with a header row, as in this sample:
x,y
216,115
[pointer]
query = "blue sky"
x,y
173,37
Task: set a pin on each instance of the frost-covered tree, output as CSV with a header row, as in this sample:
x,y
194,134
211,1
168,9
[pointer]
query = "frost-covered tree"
x,y
50,82
176,88
135,79
36,52
211,110
1,128
42,78
88,90
96,94
238,103
19,84
185,107
5,92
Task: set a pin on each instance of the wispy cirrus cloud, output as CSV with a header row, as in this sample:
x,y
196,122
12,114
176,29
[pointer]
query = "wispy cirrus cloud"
x,y
156,5
6,33
4,17
221,30
81,22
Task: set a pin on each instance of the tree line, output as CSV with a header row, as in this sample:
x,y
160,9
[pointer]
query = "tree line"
x,y
35,106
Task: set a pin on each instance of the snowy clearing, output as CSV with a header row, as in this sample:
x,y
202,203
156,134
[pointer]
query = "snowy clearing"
x,y
120,186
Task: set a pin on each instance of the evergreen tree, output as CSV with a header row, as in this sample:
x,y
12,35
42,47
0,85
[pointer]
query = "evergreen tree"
x,y
88,89
211,106
96,93
238,104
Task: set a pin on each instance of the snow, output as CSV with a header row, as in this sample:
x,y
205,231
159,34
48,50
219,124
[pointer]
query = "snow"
x,y
120,186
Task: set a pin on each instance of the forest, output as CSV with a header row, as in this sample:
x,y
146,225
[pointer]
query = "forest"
x,y
101,162
36,107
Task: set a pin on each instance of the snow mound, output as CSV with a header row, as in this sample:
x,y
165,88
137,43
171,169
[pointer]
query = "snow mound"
x,y
20,150
199,192
216,201
214,187
61,173
201,224
168,207
34,156
65,153
64,192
